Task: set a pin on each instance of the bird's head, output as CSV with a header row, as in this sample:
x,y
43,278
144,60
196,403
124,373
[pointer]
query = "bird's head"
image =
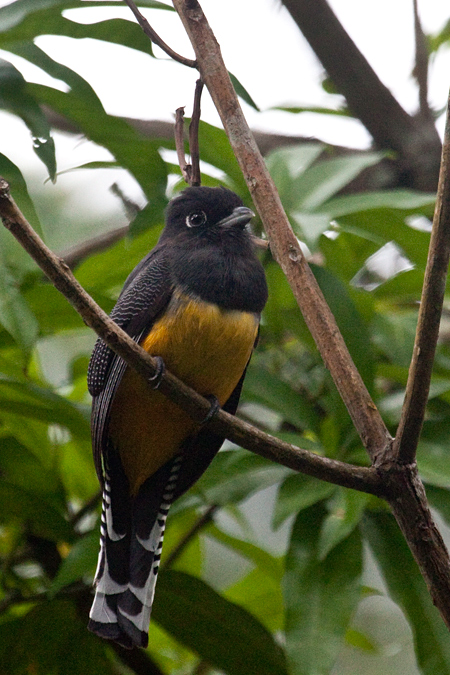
x,y
205,212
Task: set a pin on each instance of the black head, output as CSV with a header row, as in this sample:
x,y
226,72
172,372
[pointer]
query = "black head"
x,y
210,251
204,212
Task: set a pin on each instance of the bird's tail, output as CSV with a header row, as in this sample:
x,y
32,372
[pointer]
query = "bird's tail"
x,y
129,559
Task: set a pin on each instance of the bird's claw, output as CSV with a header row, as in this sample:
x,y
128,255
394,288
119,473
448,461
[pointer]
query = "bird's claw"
x,y
155,380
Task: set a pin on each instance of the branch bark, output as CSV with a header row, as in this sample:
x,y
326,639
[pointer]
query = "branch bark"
x,y
418,385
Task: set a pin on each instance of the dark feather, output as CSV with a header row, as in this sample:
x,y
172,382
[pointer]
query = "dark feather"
x,y
217,264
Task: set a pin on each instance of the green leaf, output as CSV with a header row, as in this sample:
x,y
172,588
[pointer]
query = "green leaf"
x,y
367,201
133,152
299,492
261,558
21,467
81,561
39,515
51,639
19,191
408,589
223,634
15,97
260,594
439,499
234,475
350,322
320,595
342,112
323,180
216,150
389,225
242,92
152,214
272,391
357,639
346,510
15,314
433,453
29,14
109,269
286,164
29,400
394,334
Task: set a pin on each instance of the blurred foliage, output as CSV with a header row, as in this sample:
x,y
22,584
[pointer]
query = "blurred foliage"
x,y
229,602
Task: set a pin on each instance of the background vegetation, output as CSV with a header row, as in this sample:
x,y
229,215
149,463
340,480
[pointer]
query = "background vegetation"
x,y
266,571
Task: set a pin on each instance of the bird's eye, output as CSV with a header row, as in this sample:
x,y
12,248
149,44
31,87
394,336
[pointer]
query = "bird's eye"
x,y
196,218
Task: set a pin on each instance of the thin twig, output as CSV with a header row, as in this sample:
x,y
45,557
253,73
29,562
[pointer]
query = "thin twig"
x,y
199,524
76,254
185,167
193,135
130,207
228,426
154,37
421,62
419,377
283,242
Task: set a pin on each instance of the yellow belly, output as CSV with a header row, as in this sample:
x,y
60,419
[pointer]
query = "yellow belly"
x,y
206,347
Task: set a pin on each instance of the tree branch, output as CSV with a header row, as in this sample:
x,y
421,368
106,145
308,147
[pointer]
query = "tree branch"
x,y
239,432
421,63
185,167
416,141
193,135
154,37
283,242
418,385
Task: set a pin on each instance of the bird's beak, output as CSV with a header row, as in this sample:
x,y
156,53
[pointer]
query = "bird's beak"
x,y
239,218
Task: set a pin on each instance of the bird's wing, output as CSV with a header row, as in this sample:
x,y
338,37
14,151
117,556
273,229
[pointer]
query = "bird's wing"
x,y
146,293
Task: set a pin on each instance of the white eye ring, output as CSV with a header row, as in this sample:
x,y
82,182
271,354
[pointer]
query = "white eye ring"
x,y
196,218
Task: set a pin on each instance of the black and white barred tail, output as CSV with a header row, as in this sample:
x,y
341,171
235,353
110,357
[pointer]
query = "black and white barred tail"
x,y
131,541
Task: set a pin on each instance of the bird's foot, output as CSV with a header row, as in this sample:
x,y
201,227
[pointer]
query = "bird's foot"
x,y
155,380
215,407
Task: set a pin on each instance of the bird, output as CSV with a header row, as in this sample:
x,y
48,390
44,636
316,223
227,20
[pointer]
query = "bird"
x,y
194,303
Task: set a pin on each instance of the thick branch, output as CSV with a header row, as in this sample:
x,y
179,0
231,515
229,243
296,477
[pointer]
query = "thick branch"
x,y
413,516
416,141
283,243
407,438
358,478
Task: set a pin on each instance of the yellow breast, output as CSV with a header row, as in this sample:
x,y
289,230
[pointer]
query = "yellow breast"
x,y
206,347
